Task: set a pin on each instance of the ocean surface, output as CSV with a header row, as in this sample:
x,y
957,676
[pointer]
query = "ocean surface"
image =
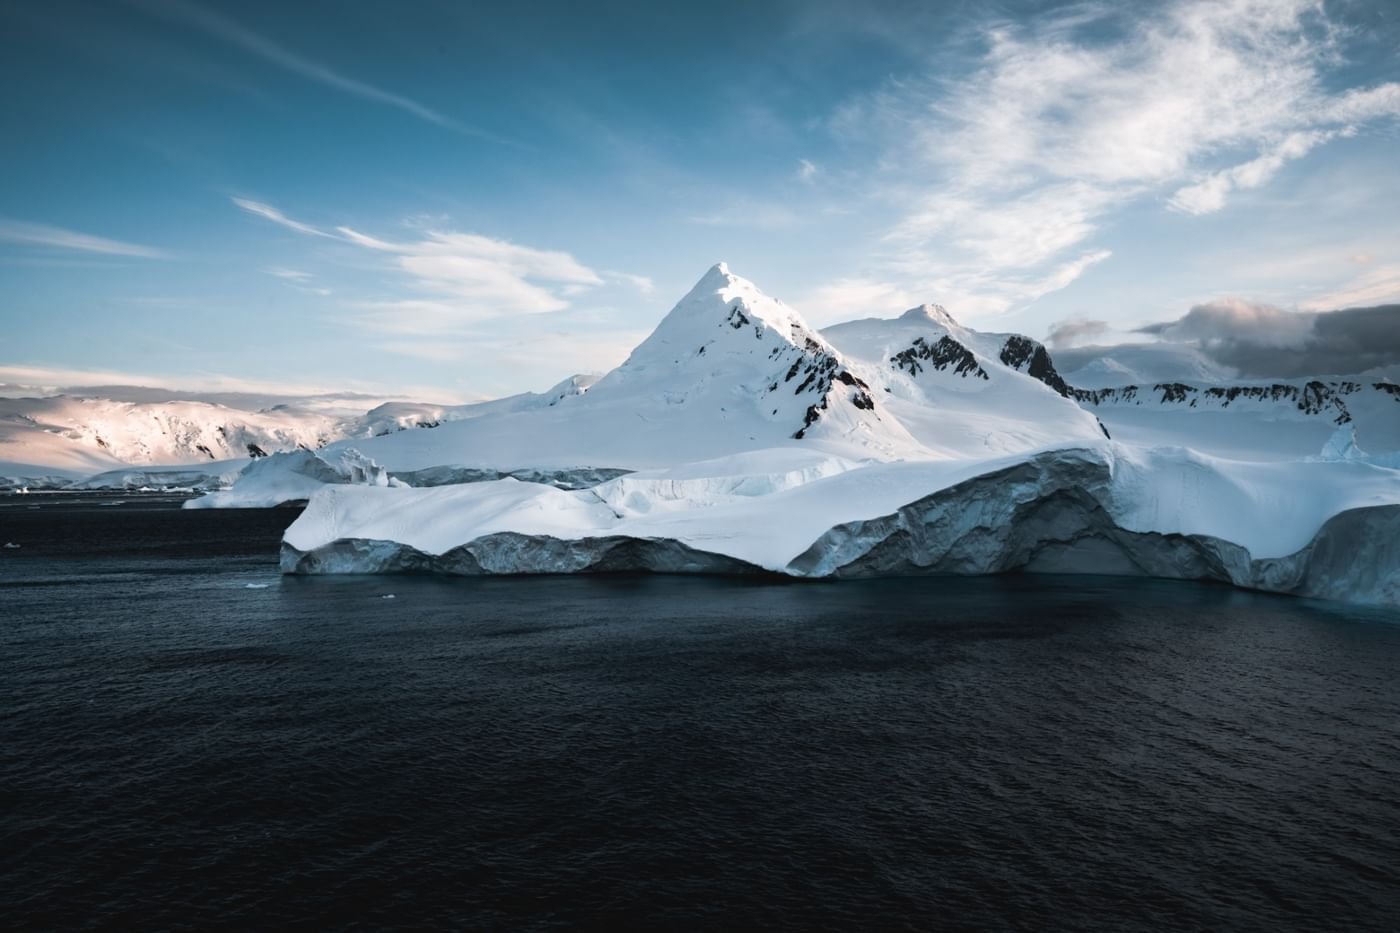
x,y
188,739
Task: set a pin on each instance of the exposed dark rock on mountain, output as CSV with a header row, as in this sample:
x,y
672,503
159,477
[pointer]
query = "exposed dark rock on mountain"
x,y
576,478
511,553
1312,398
1029,356
945,353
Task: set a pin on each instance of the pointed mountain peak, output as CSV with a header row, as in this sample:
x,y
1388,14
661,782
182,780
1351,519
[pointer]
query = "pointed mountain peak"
x,y
717,278
716,296
727,308
930,312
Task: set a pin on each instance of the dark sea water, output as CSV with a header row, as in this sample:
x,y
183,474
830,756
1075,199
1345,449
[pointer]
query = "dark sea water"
x,y
189,740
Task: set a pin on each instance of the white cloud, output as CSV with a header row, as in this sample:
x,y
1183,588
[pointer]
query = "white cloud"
x,y
1019,233
268,212
292,275
997,176
1379,285
641,283
43,235
461,278
434,351
1233,320
843,299
56,378
807,171
743,213
368,242
1208,195
565,351
1077,331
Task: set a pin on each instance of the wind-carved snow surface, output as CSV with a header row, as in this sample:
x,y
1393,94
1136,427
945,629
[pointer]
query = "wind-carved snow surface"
x,y
737,439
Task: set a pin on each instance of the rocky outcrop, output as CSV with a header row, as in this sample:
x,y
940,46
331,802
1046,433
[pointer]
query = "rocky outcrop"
x,y
1029,356
575,478
943,354
1311,398
512,553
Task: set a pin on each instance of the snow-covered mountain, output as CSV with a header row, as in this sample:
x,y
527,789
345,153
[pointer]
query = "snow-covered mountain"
x,y
392,417
61,439
963,393
1251,420
730,369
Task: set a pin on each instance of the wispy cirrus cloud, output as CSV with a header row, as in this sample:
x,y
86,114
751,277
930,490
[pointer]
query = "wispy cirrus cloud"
x,y
268,212
1378,285
845,298
1002,178
745,212
1209,194
290,275
456,279
226,29
27,234
641,283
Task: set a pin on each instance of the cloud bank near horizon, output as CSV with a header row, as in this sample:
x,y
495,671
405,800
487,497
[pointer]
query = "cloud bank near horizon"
x,y
1257,340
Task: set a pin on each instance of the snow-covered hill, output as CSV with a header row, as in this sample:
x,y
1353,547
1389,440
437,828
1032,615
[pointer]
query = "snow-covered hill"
x,y
392,417
99,442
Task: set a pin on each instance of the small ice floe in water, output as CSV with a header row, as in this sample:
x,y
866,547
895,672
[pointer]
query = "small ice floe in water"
x,y
389,596
256,586
10,545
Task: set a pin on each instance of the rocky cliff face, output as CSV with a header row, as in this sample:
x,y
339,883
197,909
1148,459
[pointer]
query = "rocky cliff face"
x,y
1049,514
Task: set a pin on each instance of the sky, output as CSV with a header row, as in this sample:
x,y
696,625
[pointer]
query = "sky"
x,y
454,201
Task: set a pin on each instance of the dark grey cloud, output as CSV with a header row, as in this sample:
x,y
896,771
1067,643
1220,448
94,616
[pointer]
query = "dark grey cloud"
x,y
1075,331
1263,341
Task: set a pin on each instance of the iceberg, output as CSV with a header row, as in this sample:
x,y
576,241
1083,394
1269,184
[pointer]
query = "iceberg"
x,y
1312,528
280,479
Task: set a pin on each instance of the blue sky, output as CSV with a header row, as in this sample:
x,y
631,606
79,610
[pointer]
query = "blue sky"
x,y
455,201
